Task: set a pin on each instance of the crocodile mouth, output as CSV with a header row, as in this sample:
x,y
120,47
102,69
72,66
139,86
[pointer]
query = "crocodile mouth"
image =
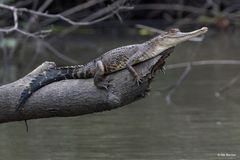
x,y
183,36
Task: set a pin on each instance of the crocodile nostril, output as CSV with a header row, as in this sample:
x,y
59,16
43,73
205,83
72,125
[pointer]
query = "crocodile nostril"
x,y
174,30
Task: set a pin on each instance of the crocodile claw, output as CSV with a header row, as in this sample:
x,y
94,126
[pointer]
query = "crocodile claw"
x,y
138,80
104,85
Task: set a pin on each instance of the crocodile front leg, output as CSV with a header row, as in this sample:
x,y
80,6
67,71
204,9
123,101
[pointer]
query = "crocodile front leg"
x,y
131,61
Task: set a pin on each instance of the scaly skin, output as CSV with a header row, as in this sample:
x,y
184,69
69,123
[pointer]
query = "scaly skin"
x,y
110,62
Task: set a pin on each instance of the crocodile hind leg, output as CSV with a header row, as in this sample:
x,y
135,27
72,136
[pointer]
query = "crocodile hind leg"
x,y
99,78
43,67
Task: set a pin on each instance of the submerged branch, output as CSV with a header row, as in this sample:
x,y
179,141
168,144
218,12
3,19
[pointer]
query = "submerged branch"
x,y
168,97
203,62
188,65
227,86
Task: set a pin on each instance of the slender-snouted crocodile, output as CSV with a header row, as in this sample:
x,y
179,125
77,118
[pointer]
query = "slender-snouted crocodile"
x,y
112,61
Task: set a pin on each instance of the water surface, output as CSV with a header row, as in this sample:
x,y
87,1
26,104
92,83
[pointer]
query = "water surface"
x,y
196,126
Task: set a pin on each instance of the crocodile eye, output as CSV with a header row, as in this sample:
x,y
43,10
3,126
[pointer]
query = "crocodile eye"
x,y
174,30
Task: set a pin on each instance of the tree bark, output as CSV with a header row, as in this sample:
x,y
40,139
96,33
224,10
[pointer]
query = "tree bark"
x,y
76,97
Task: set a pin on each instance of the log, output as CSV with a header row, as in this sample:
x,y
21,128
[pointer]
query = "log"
x,y
79,96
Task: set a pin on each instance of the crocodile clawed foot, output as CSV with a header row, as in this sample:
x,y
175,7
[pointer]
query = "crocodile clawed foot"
x,y
138,80
104,84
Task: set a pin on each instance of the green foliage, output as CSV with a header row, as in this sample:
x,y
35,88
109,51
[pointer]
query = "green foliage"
x,y
8,1
8,42
145,32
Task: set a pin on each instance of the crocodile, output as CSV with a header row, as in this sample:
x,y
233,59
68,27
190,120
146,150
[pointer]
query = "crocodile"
x,y
110,62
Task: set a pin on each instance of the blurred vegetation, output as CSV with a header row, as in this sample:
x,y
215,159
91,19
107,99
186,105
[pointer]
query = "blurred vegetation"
x,y
124,15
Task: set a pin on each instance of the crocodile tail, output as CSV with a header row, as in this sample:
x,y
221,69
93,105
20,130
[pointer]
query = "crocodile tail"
x,y
43,79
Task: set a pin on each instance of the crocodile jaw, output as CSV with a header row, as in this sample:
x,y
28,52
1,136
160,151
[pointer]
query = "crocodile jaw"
x,y
174,37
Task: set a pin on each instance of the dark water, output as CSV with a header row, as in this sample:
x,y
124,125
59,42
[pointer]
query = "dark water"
x,y
197,126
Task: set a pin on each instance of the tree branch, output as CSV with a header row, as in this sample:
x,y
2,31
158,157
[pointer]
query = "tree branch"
x,y
99,16
76,97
